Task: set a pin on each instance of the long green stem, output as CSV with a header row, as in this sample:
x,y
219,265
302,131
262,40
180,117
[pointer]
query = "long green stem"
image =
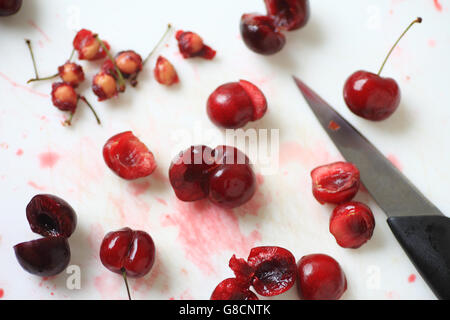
x,y
418,20
32,57
124,274
92,109
121,79
169,26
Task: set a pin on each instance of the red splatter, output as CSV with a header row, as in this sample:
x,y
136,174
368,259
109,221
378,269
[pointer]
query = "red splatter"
x,y
162,201
206,230
95,238
412,278
138,188
2,293
407,78
393,159
48,159
432,43
35,26
259,179
333,126
35,186
437,5
16,85
133,213
110,286
149,282
19,152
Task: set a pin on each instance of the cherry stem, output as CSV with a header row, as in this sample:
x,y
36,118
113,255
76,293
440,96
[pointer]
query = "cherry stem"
x,y
418,20
28,41
169,26
124,274
121,79
92,109
68,122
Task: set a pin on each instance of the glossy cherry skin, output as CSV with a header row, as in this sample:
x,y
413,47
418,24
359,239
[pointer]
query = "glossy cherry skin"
x,y
71,74
189,173
128,157
232,105
51,216
288,14
44,257
320,277
352,224
9,7
230,289
128,62
64,96
88,47
370,96
165,72
129,251
261,35
233,181
336,183
192,45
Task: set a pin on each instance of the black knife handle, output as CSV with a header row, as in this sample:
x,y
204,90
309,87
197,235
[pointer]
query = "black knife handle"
x,y
426,241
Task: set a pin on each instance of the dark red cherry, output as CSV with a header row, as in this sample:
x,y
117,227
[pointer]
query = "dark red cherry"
x,y
9,7
230,289
51,216
104,86
128,62
129,251
189,173
233,181
336,182
44,257
71,73
352,224
128,157
260,34
288,14
371,96
165,72
192,45
274,270
88,47
320,277
233,105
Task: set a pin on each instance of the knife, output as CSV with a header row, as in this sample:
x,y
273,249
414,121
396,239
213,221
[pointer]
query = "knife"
x,y
420,228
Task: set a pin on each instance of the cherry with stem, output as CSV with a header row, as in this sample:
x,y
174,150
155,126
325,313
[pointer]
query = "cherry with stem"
x,y
68,122
121,80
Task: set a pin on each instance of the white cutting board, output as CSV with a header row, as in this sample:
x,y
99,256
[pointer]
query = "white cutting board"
x,y
195,241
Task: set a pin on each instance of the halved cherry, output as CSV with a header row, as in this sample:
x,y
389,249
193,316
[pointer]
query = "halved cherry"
x,y
230,289
192,45
128,157
336,183
288,14
88,47
165,72
71,73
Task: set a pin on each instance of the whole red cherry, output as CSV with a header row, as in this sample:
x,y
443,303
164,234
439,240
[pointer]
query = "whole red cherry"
x,y
336,182
352,224
51,216
44,257
9,7
288,14
165,72
260,34
232,105
320,277
231,289
371,96
71,73
192,45
88,47
128,252
128,157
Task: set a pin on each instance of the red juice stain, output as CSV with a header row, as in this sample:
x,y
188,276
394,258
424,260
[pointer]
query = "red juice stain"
x,y
437,5
35,26
162,201
2,293
48,159
333,126
35,186
16,85
19,152
432,43
138,188
412,278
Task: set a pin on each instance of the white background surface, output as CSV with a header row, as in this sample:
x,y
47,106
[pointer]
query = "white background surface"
x,y
194,242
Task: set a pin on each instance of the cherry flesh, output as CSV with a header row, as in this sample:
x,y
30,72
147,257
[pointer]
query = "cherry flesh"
x,y
71,73
371,96
261,35
9,7
128,62
88,47
336,183
44,257
233,105
320,277
51,216
104,86
128,157
231,289
288,14
352,224
64,97
165,72
224,175
192,45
